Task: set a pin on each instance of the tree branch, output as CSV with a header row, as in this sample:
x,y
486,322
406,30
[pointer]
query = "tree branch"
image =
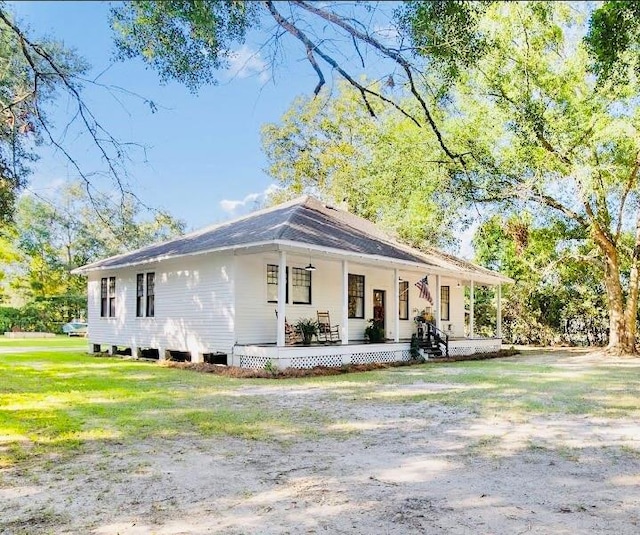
x,y
365,92
88,119
392,54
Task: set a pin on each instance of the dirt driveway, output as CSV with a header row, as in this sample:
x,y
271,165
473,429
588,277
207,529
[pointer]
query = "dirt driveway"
x,y
393,458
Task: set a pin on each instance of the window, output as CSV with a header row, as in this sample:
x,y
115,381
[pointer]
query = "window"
x,y
139,295
444,303
356,296
151,294
301,286
112,297
103,298
272,284
107,297
403,299
145,307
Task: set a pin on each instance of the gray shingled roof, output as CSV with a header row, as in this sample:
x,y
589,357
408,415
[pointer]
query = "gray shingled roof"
x,y
305,220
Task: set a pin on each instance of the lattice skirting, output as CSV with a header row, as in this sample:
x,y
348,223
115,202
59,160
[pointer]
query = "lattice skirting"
x,y
380,356
471,349
311,361
250,361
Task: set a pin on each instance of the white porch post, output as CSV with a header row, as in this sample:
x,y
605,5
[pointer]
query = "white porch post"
x,y
499,311
471,314
396,311
437,303
282,296
344,324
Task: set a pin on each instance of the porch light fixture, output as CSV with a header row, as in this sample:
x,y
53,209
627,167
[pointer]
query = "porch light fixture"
x,y
458,284
310,267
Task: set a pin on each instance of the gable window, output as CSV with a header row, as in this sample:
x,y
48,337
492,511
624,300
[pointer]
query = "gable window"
x,y
139,295
145,295
108,297
356,296
403,300
151,294
272,283
301,286
444,303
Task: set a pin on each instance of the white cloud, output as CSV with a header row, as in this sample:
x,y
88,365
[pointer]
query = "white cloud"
x,y
246,62
236,207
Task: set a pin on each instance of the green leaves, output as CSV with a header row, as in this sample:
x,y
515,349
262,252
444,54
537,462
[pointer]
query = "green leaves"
x,y
558,295
183,40
446,32
613,40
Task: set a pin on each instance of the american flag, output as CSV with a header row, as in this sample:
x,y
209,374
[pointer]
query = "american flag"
x,y
423,286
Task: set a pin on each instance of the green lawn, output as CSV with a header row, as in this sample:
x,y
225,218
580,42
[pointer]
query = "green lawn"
x,y
55,401
62,401
57,342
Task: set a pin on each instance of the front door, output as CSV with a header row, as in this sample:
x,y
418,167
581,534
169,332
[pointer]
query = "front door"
x,y
378,307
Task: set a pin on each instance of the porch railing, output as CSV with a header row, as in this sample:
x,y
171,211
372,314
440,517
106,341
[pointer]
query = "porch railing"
x,y
434,338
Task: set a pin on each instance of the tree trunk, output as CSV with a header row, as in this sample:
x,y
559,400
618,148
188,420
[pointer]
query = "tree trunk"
x,y
631,312
622,327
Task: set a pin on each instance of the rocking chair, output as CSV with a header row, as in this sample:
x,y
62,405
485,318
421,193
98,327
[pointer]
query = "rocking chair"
x,y
326,331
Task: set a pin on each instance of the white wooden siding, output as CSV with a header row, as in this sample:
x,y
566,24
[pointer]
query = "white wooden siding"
x,y
194,306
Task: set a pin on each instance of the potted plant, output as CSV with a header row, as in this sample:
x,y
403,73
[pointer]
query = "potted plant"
x,y
308,328
375,331
424,315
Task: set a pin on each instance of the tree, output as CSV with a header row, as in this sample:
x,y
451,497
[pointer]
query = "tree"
x,y
188,41
26,85
613,40
8,255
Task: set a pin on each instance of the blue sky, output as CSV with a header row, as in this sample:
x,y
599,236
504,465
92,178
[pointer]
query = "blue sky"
x,y
203,158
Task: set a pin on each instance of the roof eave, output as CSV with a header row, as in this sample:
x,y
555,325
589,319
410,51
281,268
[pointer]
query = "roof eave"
x,y
452,271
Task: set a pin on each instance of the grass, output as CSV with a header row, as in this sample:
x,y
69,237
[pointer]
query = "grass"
x,y
62,401
495,386
60,341
54,401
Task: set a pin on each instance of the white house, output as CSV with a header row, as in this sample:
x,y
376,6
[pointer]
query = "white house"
x,y
223,293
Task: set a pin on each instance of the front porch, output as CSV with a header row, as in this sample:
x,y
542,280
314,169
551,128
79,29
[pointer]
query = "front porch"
x,y
336,355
